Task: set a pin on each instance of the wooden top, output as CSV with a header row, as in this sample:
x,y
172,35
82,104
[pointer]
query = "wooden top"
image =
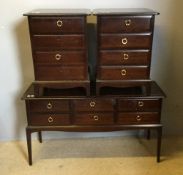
x,y
153,91
58,12
124,11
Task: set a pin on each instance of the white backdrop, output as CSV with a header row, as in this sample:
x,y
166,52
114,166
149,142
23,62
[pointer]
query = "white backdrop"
x,y
16,70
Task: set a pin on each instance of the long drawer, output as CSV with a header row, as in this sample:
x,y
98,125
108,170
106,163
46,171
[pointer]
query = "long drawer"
x,y
49,119
138,118
122,57
139,105
94,105
128,41
51,73
123,73
48,106
126,24
57,25
94,119
58,41
60,57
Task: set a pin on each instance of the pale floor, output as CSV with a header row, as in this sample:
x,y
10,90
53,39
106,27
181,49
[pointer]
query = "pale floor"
x,y
93,156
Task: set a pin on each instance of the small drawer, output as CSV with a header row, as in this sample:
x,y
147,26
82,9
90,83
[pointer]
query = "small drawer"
x,y
123,73
60,57
125,24
94,119
57,25
49,119
58,41
139,105
48,106
51,73
138,118
94,105
128,41
132,57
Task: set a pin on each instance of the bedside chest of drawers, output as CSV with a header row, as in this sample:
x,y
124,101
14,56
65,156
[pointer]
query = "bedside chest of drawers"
x,y
114,110
124,46
59,48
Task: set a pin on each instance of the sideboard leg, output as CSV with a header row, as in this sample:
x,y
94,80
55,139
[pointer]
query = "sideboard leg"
x,y
29,145
148,134
159,137
40,136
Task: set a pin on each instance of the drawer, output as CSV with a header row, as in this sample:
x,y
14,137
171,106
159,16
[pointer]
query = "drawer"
x,y
51,73
129,41
94,119
48,106
123,73
94,105
139,105
125,24
60,57
138,118
49,119
115,57
58,41
57,25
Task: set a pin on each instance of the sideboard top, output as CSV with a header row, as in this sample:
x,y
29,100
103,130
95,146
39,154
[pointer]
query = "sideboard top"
x,y
124,11
57,12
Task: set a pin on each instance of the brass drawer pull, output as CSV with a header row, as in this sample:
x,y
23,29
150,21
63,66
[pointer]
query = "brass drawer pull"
x,y
95,117
92,104
125,56
138,118
140,103
58,57
123,72
128,22
49,106
59,23
50,119
124,41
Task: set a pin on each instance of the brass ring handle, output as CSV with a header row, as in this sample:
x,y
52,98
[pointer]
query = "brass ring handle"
x,y
124,41
140,103
59,23
128,22
95,117
123,72
58,57
125,56
49,105
92,104
138,118
50,119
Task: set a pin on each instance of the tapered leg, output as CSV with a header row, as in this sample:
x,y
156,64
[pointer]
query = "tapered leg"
x,y
29,145
159,136
148,134
40,136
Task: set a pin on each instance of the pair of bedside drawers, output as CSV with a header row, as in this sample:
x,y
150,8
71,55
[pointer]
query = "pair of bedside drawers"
x,y
94,111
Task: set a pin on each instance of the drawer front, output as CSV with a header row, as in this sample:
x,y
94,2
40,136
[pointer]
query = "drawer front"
x,y
94,105
126,24
138,118
57,25
60,57
125,41
60,41
49,119
94,119
139,105
124,57
48,105
123,73
49,73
